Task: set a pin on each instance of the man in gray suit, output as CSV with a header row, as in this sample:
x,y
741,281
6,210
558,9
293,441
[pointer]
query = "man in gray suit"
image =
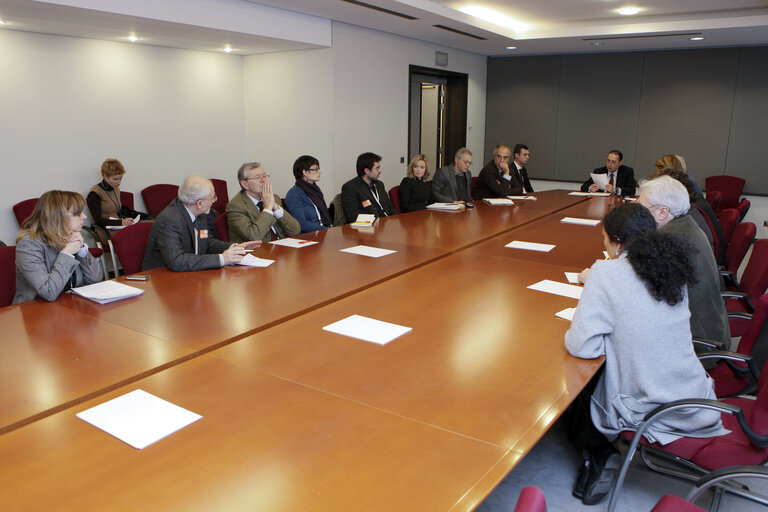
x,y
453,183
180,237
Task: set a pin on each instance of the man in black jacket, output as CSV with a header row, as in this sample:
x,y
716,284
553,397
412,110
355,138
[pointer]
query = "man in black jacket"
x,y
621,179
365,193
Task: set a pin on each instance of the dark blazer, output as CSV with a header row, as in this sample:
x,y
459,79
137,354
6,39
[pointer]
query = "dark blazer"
x,y
490,182
172,242
415,194
357,198
625,180
522,177
444,188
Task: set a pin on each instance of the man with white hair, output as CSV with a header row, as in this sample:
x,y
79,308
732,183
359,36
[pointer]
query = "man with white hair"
x,y
180,238
667,200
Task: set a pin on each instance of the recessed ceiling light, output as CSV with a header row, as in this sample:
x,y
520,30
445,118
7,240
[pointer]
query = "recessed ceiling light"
x,y
2,22
133,38
697,39
228,49
597,43
511,47
628,11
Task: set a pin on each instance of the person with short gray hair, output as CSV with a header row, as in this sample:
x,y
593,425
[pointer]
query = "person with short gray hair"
x,y
453,182
667,200
180,238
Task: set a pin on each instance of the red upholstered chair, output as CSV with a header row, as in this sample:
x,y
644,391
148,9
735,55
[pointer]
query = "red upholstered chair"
x,y
715,238
472,187
671,503
128,246
7,274
728,218
531,500
126,199
743,208
742,238
729,186
747,442
751,286
157,197
394,196
713,198
222,195
24,209
222,228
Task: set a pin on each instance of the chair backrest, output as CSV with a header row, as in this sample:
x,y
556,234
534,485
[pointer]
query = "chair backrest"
x,y
222,195
339,219
157,197
742,238
754,281
743,208
715,238
222,228
129,245
394,196
728,218
747,340
730,186
24,209
531,500
126,199
7,274
472,187
713,198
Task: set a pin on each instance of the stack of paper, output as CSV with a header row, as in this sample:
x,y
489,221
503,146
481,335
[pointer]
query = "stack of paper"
x,y
498,201
364,250
446,206
589,194
107,291
368,329
553,287
583,222
293,242
364,220
249,260
530,246
523,198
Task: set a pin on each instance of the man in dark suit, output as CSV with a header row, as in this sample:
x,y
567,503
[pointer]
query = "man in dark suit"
x,y
522,154
621,179
496,179
365,193
453,183
180,238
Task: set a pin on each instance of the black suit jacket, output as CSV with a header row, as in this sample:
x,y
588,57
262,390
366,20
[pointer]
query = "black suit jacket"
x,y
490,183
625,180
172,242
357,198
523,178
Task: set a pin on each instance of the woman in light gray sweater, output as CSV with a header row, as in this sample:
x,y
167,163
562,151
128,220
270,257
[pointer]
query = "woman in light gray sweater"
x,y
634,311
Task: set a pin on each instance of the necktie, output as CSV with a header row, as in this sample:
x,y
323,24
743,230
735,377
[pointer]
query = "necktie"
x,y
523,178
270,236
613,182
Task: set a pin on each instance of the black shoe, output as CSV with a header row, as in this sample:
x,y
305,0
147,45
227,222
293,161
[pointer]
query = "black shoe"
x,y
581,480
603,471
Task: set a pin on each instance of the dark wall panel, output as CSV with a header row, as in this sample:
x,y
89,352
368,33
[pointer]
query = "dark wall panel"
x,y
685,108
747,153
598,111
522,108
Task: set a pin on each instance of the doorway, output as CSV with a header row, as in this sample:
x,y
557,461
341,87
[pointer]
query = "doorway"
x,y
437,117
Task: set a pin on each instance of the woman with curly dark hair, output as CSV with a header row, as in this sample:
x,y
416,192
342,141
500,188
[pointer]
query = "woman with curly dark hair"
x,y
634,311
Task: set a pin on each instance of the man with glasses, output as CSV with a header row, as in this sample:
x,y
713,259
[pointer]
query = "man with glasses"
x,y
621,179
256,213
180,237
667,200
453,183
366,193
497,179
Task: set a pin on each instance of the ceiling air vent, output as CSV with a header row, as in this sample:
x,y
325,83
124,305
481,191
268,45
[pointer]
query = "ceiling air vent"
x,y
457,31
681,34
381,9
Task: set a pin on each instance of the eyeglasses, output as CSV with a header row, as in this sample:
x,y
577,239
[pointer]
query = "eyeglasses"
x,y
313,169
258,177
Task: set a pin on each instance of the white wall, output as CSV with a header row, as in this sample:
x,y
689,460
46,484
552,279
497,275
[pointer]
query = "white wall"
x,y
339,102
68,103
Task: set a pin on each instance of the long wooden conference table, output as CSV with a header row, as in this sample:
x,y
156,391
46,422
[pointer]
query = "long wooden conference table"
x,y
294,417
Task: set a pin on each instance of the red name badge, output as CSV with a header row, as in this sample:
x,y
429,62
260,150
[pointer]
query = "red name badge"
x,y
203,233
366,203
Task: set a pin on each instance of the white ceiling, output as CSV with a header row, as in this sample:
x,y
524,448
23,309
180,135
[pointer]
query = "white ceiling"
x,y
537,26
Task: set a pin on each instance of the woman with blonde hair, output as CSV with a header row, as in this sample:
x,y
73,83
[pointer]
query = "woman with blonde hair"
x,y
415,191
677,162
51,256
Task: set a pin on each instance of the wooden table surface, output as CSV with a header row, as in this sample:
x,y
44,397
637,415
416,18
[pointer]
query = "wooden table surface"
x,y
435,418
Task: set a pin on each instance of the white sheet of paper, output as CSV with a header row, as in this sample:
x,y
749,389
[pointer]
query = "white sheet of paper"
x,y
566,314
293,242
446,206
138,418
249,260
566,290
601,180
572,277
368,329
522,198
590,194
499,201
364,250
582,222
530,246
115,228
577,193
107,291
364,220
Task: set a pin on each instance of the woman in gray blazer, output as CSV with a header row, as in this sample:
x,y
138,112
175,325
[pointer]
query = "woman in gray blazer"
x,y
51,256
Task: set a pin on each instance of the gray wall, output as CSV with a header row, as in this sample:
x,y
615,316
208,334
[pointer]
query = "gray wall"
x,y
708,105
